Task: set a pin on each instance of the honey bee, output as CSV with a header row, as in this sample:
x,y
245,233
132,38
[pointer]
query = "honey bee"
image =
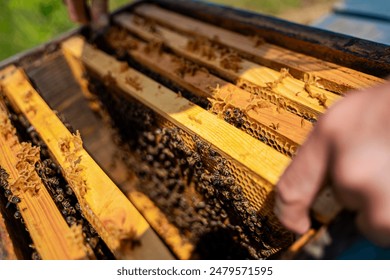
x,y
17,215
3,174
274,126
216,180
168,153
66,203
12,199
64,212
212,153
92,230
258,40
194,159
198,165
200,145
134,82
71,210
68,190
206,177
224,170
7,193
52,181
35,256
71,220
239,208
4,183
150,137
92,241
50,164
23,121
59,190
78,207
322,100
220,160
302,122
59,198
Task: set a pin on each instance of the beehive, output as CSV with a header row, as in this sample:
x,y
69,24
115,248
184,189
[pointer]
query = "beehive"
x,y
193,122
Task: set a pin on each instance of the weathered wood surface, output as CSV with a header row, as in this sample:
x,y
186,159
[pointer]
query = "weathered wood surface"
x,y
355,53
113,216
52,237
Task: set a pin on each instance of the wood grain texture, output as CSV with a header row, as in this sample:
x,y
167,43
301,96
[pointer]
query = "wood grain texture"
x,y
150,244
113,216
280,89
332,76
290,128
237,145
160,223
52,237
255,165
78,73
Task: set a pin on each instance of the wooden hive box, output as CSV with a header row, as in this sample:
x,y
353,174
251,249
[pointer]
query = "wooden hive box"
x,y
165,138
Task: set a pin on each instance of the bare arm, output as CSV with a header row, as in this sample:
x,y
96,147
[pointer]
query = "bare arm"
x,y
350,146
80,12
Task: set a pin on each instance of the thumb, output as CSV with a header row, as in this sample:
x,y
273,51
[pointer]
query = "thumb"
x,y
301,181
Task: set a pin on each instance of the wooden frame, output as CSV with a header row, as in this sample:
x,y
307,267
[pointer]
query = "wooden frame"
x,y
52,237
112,215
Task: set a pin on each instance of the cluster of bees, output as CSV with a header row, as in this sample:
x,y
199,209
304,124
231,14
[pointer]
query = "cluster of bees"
x,y
212,50
188,180
62,194
119,38
11,210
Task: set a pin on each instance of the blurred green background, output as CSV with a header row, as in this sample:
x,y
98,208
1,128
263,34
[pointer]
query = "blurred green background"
x,y
28,23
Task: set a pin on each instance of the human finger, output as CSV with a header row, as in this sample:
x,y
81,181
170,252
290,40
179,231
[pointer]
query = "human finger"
x,y
301,181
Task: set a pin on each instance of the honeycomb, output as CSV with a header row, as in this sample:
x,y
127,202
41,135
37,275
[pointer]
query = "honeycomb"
x,y
202,192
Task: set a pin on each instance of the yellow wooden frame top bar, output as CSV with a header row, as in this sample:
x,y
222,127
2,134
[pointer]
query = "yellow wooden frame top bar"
x,y
108,210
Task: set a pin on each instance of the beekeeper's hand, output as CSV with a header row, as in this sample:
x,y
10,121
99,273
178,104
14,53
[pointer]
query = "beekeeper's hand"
x,y
84,11
350,146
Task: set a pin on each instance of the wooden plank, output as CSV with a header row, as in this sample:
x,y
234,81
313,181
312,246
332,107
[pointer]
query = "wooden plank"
x,y
254,166
303,98
120,174
107,209
332,76
279,124
54,80
237,145
52,237
366,56
157,219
